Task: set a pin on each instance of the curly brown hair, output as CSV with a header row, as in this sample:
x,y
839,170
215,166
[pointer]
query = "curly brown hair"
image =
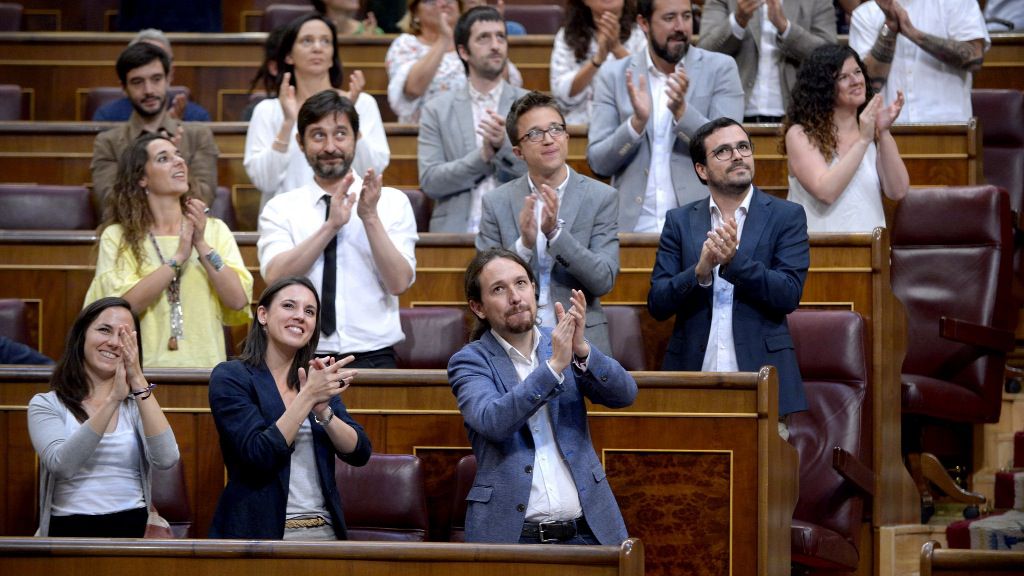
x,y
127,204
580,28
812,102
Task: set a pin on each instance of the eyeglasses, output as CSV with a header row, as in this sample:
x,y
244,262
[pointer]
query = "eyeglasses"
x,y
536,135
724,153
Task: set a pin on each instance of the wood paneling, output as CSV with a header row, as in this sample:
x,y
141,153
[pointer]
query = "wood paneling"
x,y
267,558
714,433
60,153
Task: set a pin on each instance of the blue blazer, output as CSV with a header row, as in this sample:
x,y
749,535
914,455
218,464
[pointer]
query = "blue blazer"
x,y
768,273
496,407
246,405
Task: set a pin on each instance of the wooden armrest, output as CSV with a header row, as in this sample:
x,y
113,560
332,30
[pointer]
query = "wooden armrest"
x,y
850,468
976,334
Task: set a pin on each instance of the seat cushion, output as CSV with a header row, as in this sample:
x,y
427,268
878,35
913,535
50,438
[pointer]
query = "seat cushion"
x,y
810,543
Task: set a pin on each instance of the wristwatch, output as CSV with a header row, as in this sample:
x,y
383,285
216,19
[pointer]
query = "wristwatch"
x,y
887,32
325,421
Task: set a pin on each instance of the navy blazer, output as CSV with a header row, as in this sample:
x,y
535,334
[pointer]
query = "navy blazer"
x,y
768,273
496,408
246,405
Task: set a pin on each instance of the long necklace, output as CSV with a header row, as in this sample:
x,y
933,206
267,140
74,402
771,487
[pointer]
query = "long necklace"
x,y
173,298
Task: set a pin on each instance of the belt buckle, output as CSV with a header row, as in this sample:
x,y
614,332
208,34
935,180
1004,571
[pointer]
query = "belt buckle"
x,y
540,533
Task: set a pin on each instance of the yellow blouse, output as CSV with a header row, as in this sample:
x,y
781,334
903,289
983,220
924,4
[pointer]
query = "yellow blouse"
x,y
203,343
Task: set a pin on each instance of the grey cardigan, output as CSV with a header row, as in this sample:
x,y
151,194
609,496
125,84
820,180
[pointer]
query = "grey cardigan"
x,y
61,456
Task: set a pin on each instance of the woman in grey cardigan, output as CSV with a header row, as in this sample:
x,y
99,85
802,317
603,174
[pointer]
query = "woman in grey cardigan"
x,y
99,430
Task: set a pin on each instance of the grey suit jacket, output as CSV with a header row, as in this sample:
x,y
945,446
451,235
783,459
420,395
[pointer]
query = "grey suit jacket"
x,y
812,23
496,407
714,91
450,165
586,252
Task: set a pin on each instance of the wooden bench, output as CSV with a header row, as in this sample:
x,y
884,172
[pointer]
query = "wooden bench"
x,y
275,558
935,560
60,153
697,465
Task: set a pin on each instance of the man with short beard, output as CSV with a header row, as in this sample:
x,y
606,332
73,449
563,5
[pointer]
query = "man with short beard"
x,y
521,390
463,150
354,239
647,106
730,267
143,69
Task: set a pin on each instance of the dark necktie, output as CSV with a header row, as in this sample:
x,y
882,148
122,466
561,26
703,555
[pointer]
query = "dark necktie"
x,y
328,319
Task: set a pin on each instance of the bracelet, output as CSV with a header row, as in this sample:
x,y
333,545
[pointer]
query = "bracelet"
x,y
142,394
594,61
215,260
325,421
175,267
280,145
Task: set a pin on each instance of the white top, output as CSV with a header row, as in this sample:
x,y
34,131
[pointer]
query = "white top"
x,y
935,92
481,102
276,172
858,208
367,316
660,196
404,52
305,498
545,308
564,68
110,480
553,493
720,355
1009,10
765,98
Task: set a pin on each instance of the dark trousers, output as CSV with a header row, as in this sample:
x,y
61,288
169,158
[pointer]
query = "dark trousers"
x,y
383,358
124,524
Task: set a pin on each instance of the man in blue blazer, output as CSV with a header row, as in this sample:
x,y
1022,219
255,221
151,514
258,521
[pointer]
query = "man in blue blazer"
x,y
730,268
521,391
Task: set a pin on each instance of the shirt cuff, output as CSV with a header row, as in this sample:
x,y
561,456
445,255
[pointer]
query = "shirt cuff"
x,y
632,133
737,30
521,249
558,375
789,26
710,282
581,365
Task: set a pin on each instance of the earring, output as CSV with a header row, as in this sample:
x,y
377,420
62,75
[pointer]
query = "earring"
x,y
146,190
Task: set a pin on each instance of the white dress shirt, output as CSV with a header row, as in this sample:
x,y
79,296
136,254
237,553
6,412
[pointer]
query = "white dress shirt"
x,y
481,103
276,172
553,493
545,309
660,196
720,355
765,99
367,316
934,91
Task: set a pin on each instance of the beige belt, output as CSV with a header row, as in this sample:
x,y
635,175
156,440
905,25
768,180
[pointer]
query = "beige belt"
x,y
314,522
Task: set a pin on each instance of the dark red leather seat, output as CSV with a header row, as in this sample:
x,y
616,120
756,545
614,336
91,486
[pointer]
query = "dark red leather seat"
x,y
465,473
422,207
10,17
170,497
10,102
536,18
833,352
13,322
432,335
627,339
45,207
385,499
280,14
223,208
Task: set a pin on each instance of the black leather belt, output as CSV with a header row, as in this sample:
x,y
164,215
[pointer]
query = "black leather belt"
x,y
556,531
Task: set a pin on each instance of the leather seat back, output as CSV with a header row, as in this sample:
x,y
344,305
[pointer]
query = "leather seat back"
x,y
432,335
45,207
384,500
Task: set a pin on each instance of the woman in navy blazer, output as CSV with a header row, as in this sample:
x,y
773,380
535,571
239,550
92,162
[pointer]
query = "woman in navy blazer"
x,y
281,422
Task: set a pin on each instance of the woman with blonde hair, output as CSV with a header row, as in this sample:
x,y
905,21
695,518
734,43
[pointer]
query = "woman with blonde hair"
x,y
180,269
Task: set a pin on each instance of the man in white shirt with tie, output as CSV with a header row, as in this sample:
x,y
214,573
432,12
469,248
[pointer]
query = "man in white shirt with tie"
x,y
354,239
463,152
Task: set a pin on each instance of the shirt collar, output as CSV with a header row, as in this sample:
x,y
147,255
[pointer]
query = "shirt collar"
x,y
514,352
743,207
135,125
316,193
484,97
560,189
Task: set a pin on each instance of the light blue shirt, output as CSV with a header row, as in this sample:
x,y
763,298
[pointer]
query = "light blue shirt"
x,y
720,355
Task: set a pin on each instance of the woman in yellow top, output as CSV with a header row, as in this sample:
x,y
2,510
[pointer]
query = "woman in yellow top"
x,y
180,269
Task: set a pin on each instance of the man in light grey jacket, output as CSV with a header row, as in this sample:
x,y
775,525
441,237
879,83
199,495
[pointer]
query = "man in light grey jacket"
x,y
647,106
463,151
564,224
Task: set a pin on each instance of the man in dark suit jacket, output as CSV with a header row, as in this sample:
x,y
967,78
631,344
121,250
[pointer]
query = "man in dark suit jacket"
x,y
561,222
730,268
521,391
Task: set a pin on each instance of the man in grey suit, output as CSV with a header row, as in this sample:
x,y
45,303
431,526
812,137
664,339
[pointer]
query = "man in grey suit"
x,y
522,391
647,106
561,222
769,39
463,151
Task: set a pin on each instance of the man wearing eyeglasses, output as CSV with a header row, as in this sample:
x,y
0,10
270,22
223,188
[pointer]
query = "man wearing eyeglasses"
x,y
561,222
730,267
463,151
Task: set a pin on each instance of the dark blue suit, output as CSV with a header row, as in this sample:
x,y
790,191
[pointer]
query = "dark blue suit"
x,y
246,405
496,407
767,273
